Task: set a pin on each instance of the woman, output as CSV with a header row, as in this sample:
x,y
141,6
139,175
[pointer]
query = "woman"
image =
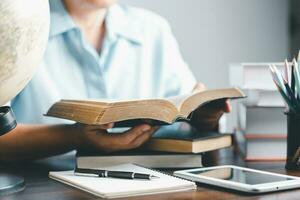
x,y
98,49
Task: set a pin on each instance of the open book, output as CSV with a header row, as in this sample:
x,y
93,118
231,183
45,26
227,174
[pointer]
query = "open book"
x,y
132,112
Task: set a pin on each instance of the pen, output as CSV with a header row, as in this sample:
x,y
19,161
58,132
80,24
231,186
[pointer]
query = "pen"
x,y
113,174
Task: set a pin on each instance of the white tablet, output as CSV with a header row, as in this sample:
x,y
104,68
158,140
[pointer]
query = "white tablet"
x,y
240,178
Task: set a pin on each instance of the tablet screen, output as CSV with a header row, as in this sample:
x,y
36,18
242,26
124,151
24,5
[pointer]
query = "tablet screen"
x,y
240,175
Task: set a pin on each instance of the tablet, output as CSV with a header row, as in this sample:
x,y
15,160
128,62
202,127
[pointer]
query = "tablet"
x,y
240,178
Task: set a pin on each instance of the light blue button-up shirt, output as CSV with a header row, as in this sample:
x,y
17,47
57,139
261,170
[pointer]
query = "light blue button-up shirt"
x,y
139,58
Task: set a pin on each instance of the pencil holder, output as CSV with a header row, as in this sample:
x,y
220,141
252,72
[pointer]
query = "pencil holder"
x,y
293,141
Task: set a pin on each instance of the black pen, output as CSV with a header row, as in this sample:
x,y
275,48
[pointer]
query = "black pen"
x,y
113,174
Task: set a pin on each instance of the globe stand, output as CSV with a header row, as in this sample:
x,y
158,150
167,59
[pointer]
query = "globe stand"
x,y
9,183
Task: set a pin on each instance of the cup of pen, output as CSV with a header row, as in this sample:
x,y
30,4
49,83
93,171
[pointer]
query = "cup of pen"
x,y
293,141
288,85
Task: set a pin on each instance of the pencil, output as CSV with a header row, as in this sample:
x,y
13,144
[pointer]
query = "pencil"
x,y
297,78
291,96
293,78
277,76
286,99
287,71
282,89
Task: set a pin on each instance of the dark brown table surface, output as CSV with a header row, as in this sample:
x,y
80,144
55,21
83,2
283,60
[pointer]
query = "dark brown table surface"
x,y
39,186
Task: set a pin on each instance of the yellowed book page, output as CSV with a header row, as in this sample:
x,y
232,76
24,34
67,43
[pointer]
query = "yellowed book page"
x,y
87,110
80,112
178,100
122,103
157,109
197,99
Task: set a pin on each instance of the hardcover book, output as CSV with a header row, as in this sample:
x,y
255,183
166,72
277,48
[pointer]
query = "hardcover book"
x,y
152,159
132,112
189,142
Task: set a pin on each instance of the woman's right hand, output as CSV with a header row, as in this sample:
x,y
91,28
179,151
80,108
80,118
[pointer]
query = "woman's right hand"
x,y
97,137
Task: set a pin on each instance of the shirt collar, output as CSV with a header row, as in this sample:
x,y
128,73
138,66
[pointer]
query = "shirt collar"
x,y
118,23
60,20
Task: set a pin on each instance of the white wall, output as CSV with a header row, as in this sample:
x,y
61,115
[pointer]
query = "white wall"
x,y
214,33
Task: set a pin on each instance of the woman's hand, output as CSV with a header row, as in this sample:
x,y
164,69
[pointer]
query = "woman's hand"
x,y
97,137
206,118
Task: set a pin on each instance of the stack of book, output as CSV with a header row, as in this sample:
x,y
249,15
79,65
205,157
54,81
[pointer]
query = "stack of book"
x,y
261,130
171,149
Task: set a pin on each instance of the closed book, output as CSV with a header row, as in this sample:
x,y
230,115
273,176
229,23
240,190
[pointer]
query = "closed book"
x,y
263,98
118,188
262,147
252,75
262,120
141,157
189,142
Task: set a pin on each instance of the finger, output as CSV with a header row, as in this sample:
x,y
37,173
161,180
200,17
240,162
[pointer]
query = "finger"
x,y
199,87
147,134
107,126
136,131
228,107
221,105
143,138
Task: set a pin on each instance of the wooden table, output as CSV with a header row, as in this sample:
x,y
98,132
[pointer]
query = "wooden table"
x,y
39,186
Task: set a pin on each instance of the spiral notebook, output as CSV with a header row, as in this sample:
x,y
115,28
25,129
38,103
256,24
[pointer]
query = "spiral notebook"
x,y
117,188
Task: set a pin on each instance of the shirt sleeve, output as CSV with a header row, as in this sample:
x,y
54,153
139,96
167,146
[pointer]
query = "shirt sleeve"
x,y
177,77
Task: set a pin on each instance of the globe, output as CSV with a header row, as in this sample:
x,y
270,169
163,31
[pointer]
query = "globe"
x,y
24,29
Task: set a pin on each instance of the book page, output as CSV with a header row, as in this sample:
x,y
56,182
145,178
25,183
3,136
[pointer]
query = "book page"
x,y
200,98
95,112
178,100
110,101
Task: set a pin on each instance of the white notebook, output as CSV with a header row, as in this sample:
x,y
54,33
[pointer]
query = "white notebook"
x,y
116,188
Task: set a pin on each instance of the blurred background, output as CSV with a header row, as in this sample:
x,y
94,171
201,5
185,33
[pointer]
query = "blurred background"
x,y
214,33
